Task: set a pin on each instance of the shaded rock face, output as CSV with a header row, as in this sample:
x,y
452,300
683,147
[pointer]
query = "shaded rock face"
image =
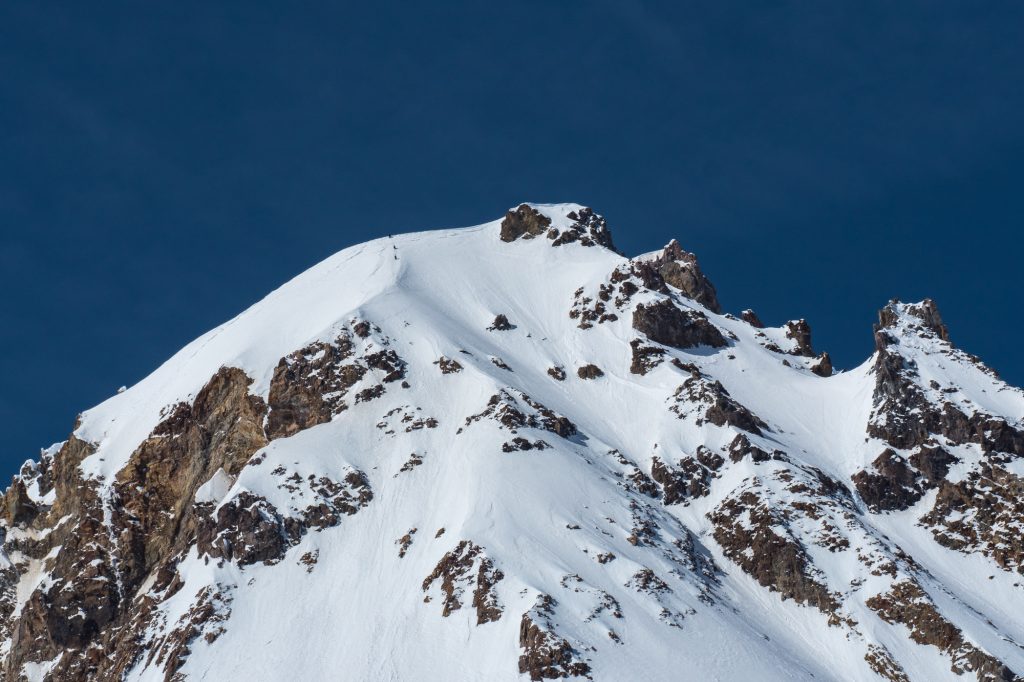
x,y
645,358
891,485
301,380
800,332
310,386
589,372
884,665
501,324
691,479
545,654
18,507
741,448
519,444
894,482
668,325
588,228
679,268
751,318
746,528
248,529
590,312
823,367
908,604
448,365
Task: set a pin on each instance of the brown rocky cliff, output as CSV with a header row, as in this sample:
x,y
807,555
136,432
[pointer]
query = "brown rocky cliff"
x,y
151,520
221,429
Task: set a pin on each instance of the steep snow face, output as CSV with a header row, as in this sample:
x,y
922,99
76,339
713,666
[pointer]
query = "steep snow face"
x,y
509,452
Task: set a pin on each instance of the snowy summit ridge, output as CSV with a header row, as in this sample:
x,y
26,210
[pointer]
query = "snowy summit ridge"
x,y
509,452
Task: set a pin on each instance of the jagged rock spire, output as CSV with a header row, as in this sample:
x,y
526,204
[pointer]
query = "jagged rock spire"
x,y
680,269
927,320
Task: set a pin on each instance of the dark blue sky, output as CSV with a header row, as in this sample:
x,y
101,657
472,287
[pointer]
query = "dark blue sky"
x,y
162,166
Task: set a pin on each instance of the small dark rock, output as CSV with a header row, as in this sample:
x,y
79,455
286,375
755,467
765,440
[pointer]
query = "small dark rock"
x,y
500,324
751,318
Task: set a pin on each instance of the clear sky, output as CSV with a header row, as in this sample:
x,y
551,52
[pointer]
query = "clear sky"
x,y
164,165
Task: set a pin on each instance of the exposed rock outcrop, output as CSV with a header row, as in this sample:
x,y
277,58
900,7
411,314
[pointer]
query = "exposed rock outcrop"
x,y
645,358
908,604
823,365
546,655
706,400
891,485
447,365
467,567
525,222
983,513
679,268
515,410
587,228
501,324
799,331
751,318
748,529
691,478
669,325
926,312
309,386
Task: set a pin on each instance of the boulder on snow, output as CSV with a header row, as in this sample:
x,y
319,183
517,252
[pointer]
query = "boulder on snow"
x,y
523,221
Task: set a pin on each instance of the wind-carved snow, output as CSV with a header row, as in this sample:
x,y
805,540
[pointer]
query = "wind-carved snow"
x,y
463,455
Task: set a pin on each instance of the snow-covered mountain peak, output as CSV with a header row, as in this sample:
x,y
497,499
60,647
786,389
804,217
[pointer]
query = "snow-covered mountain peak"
x,y
510,452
